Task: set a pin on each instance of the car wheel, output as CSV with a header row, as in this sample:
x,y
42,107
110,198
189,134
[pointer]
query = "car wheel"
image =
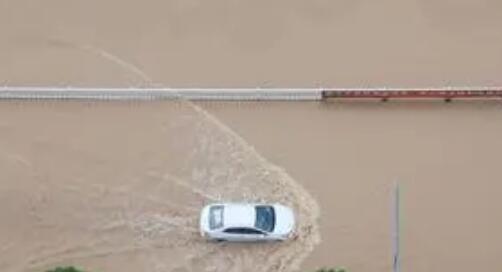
x,y
220,240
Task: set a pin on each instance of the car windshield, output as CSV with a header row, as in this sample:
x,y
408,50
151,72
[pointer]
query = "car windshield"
x,y
265,218
216,217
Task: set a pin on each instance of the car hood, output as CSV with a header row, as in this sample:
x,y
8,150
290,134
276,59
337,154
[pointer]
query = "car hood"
x,y
284,220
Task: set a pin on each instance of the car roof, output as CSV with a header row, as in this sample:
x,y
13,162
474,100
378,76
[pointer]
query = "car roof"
x,y
239,216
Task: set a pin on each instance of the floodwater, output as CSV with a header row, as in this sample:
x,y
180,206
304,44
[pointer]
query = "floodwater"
x,y
118,186
235,43
349,156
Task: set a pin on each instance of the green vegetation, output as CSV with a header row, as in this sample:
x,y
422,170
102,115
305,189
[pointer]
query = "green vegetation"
x,y
331,270
65,269
73,269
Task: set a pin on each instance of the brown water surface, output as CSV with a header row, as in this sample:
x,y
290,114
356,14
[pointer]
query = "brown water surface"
x,y
117,186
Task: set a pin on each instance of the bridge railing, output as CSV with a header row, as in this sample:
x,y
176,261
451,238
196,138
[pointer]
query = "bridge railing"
x,y
243,94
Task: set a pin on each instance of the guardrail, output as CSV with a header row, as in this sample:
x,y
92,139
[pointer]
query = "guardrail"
x,y
443,93
242,94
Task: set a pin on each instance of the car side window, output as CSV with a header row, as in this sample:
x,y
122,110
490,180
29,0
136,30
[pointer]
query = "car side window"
x,y
242,231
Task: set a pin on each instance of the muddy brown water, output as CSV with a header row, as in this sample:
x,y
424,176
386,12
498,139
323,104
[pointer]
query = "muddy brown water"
x,y
120,187
112,186
445,157
117,186
241,43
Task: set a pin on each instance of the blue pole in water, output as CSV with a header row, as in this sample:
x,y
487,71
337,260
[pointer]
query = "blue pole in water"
x,y
396,257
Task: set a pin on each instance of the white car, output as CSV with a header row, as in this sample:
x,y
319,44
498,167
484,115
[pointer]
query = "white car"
x,y
246,222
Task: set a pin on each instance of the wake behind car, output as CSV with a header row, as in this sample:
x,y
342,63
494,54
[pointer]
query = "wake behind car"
x,y
246,222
